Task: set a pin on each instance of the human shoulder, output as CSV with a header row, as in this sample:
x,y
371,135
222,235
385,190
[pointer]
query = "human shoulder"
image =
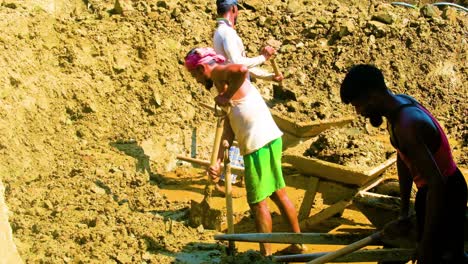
x,y
414,125
408,113
231,68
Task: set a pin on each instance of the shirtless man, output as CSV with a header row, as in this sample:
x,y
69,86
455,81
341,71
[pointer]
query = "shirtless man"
x,y
259,139
424,157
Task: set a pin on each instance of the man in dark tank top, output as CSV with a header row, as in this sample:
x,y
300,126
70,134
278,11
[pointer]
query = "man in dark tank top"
x,y
424,157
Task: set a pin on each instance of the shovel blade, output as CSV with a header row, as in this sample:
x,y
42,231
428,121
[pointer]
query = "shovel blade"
x,y
279,92
204,214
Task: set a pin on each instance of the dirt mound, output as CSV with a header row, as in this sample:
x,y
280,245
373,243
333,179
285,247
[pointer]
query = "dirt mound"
x,y
96,106
349,147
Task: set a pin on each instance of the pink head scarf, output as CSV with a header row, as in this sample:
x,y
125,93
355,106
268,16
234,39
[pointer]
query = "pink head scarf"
x,y
200,56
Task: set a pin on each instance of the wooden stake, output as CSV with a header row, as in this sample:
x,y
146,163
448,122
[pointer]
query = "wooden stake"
x,y
324,214
228,191
309,198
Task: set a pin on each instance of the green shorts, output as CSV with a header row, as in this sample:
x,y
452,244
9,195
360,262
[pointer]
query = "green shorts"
x,y
263,172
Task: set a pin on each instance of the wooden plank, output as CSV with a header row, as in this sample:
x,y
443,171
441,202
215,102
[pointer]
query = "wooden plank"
x,y
326,170
295,238
333,192
382,167
324,214
291,141
371,255
334,172
308,199
371,184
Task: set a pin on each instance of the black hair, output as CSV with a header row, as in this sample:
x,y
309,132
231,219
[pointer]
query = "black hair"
x,y
361,80
223,6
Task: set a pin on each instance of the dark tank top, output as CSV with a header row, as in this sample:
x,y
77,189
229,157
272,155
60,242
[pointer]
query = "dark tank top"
x,y
442,153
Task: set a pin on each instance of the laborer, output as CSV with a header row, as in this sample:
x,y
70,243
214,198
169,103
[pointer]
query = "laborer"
x,y
424,157
227,42
259,139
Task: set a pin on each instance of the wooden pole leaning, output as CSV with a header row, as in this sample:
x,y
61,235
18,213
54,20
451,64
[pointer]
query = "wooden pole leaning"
x,y
216,145
228,194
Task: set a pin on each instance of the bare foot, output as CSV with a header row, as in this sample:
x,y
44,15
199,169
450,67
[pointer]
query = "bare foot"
x,y
292,249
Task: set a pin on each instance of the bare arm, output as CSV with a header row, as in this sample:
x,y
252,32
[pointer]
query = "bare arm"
x,y
228,79
228,134
406,182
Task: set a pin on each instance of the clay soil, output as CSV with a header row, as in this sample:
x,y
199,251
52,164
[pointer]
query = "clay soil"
x,y
95,107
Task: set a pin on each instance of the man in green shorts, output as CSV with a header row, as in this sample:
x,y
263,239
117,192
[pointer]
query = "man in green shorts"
x,y
258,137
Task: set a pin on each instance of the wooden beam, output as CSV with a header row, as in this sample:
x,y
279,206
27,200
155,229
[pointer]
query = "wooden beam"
x,y
309,197
324,214
382,167
371,255
295,238
347,250
365,255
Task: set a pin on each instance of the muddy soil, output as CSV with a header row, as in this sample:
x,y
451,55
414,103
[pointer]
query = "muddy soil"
x,y
95,106
349,147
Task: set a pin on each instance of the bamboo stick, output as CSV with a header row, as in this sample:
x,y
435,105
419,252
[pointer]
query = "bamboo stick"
x,y
371,255
294,238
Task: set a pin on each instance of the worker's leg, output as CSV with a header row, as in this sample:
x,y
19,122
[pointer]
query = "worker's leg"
x,y
263,223
288,211
452,240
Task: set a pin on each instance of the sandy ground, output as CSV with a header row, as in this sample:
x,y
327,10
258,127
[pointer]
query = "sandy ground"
x,y
95,106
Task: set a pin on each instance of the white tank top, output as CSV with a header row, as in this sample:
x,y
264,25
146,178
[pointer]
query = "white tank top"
x,y
252,122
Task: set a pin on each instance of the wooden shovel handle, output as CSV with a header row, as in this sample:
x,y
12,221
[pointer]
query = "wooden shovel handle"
x,y
228,192
214,154
275,66
276,69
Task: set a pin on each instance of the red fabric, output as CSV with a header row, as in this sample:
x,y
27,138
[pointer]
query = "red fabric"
x,y
443,156
201,56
